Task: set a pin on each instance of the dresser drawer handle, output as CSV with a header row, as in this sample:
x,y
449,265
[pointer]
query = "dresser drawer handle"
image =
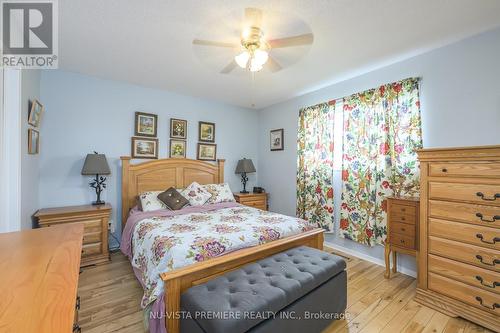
x,y
403,229
481,195
402,241
491,307
492,286
403,209
77,328
496,239
403,218
444,170
493,263
77,305
493,219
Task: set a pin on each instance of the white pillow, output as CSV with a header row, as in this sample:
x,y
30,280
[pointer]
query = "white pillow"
x,y
220,193
150,202
196,194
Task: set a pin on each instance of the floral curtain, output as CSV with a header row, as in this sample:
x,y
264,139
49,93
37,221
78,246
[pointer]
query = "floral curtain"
x,y
382,130
315,165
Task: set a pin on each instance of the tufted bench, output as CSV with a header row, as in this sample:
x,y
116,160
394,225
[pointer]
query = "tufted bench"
x,y
298,290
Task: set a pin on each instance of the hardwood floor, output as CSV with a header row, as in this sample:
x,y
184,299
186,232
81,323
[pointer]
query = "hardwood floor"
x,y
110,297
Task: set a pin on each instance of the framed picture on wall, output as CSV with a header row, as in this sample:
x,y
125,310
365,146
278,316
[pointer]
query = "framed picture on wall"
x,y
177,149
35,114
33,141
146,124
206,132
144,148
207,152
276,139
178,128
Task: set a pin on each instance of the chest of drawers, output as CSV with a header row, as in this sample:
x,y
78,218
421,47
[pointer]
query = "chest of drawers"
x,y
459,251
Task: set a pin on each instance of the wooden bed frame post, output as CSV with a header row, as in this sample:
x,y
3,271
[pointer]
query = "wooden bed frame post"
x,y
125,190
172,305
220,164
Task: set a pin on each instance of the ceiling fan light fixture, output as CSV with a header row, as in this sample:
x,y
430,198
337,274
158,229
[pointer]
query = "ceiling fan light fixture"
x,y
242,59
260,57
254,66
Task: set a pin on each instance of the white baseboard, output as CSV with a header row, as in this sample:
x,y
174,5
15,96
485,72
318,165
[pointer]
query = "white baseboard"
x,y
371,259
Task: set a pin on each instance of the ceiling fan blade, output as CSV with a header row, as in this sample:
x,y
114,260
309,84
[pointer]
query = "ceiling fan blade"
x,y
212,43
291,41
273,65
253,17
229,68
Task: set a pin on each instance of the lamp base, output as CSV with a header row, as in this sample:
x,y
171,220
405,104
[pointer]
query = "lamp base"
x,y
244,192
98,203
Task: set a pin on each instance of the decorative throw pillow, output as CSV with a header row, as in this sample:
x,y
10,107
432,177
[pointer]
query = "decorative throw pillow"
x,y
220,193
150,202
196,194
173,199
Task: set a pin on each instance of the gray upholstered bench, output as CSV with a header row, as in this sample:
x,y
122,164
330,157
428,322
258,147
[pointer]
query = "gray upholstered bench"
x,y
298,290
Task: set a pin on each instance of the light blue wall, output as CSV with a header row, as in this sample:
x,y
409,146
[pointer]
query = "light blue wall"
x,y
84,114
30,172
460,98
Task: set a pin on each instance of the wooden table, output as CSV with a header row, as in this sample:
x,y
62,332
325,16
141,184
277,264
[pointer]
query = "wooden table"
x,y
39,279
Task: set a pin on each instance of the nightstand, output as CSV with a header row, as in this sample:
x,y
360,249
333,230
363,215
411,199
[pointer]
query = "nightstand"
x,y
402,229
95,233
256,200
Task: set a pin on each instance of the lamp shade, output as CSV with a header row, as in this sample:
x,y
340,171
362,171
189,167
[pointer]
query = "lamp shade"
x,y
95,164
245,166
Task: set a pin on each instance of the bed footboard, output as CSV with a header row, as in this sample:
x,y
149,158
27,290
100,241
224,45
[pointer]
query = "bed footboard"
x,y
179,280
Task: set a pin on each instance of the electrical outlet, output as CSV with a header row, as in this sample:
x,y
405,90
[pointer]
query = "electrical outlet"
x,y
111,226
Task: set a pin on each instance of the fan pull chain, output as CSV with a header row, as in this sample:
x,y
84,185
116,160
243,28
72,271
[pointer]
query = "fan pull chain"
x,y
252,93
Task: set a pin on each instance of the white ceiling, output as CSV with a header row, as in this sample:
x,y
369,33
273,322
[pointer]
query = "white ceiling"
x,y
149,42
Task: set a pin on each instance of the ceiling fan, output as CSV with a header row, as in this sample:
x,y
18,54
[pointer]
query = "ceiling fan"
x,y
254,45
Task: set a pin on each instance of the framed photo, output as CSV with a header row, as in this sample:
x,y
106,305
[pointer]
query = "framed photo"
x,y
178,128
33,141
177,149
206,132
35,114
276,139
146,124
144,148
207,152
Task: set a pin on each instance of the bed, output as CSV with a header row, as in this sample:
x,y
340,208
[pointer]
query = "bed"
x,y
179,173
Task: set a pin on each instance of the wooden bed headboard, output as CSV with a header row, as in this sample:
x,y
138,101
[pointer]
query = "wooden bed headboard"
x,y
159,175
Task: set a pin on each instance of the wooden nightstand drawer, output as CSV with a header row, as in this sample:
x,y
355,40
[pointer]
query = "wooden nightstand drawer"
x,y
91,249
253,203
94,237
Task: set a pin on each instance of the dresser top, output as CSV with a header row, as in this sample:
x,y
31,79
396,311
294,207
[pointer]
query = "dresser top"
x,y
39,279
413,199
73,210
473,153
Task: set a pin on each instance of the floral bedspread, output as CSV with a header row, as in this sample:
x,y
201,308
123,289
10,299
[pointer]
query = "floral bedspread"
x,y
161,244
